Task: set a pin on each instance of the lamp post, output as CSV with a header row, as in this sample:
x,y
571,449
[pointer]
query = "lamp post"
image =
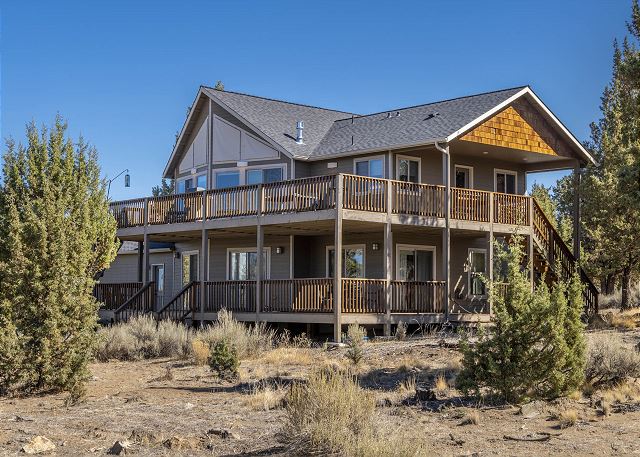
x,y
127,180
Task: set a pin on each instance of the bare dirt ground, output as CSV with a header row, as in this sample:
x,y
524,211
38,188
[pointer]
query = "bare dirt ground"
x,y
186,411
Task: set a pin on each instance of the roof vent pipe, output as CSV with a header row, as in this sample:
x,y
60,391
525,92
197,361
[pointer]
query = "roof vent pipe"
x,y
299,128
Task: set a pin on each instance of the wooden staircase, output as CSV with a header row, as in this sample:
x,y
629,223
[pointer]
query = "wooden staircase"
x,y
183,304
554,257
142,302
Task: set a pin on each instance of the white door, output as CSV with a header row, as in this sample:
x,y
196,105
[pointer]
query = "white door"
x,y
157,273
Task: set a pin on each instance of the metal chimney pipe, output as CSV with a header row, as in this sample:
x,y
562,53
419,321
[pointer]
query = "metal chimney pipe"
x,y
299,128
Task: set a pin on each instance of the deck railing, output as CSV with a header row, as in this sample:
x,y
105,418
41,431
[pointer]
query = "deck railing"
x,y
418,199
236,296
364,194
186,301
173,209
470,205
232,202
363,295
128,213
298,195
111,296
418,296
510,209
314,295
141,302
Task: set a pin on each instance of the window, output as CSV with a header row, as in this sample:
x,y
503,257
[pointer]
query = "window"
x,y
352,261
187,184
415,263
189,267
227,179
505,181
374,167
201,182
408,169
243,264
464,177
184,184
477,262
263,175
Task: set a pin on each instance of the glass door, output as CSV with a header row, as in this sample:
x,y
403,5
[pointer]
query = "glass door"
x,y
157,273
415,264
189,267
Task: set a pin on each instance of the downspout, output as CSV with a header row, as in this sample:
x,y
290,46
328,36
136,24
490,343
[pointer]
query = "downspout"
x,y
446,248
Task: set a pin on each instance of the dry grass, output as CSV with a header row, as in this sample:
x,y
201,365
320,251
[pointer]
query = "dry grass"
x,y
623,392
623,321
288,356
610,361
441,385
566,418
265,398
200,351
471,418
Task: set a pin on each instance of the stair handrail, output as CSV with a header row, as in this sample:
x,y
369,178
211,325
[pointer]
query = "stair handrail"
x,y
134,297
175,298
556,236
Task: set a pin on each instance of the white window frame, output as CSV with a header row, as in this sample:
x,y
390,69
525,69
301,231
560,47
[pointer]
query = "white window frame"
x,y
347,246
266,249
416,247
242,171
195,181
497,171
467,167
469,273
415,159
368,159
164,276
184,253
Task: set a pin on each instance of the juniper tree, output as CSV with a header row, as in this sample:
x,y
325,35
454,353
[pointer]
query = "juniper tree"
x,y
56,234
166,187
536,347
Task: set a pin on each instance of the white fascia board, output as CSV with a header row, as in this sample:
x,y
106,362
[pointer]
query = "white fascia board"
x,y
504,104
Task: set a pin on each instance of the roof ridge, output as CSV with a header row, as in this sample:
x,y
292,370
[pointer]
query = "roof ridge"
x,y
280,101
437,101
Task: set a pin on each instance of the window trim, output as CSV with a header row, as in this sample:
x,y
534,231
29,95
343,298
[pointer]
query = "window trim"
x,y
195,180
405,157
242,171
369,158
267,271
468,167
504,171
347,246
416,247
469,273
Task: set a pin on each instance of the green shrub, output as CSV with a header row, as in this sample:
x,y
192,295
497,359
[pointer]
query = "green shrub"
x,y
223,360
247,340
355,341
536,348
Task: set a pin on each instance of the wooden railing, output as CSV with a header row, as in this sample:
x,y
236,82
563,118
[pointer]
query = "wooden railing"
x,y
186,301
112,296
418,199
314,295
364,194
418,296
299,195
172,209
232,202
560,258
510,209
141,303
363,295
128,213
470,205
236,296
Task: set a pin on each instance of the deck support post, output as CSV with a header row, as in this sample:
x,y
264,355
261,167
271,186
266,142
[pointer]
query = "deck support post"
x,y
576,211
531,262
140,260
490,253
388,268
337,267
204,272
145,258
259,255
446,234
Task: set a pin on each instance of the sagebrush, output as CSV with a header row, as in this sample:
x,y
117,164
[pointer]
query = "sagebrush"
x,y
610,361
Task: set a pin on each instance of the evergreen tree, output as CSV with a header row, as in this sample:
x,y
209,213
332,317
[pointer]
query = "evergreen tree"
x,y
549,205
56,233
219,85
166,187
536,348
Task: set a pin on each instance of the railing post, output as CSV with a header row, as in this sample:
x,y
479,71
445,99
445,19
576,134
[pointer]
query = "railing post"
x,y
204,205
204,271
388,258
259,249
490,256
446,234
145,214
337,268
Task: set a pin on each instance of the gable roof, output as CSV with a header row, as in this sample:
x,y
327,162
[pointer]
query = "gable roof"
x,y
330,133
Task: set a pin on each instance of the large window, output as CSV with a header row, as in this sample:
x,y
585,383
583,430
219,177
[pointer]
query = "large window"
x,y
477,263
415,263
373,167
189,267
243,262
464,177
227,179
506,181
263,175
352,261
192,184
408,169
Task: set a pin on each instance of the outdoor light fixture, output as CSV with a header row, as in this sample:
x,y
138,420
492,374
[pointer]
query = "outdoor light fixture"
x,y
375,246
127,180
279,250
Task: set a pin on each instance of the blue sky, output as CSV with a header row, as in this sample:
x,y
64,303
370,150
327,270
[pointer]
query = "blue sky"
x,y
124,72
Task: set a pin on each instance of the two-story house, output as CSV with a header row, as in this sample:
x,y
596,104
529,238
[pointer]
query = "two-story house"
x,y
288,213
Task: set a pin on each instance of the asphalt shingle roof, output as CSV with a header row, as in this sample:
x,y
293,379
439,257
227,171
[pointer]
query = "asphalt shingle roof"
x,y
329,133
